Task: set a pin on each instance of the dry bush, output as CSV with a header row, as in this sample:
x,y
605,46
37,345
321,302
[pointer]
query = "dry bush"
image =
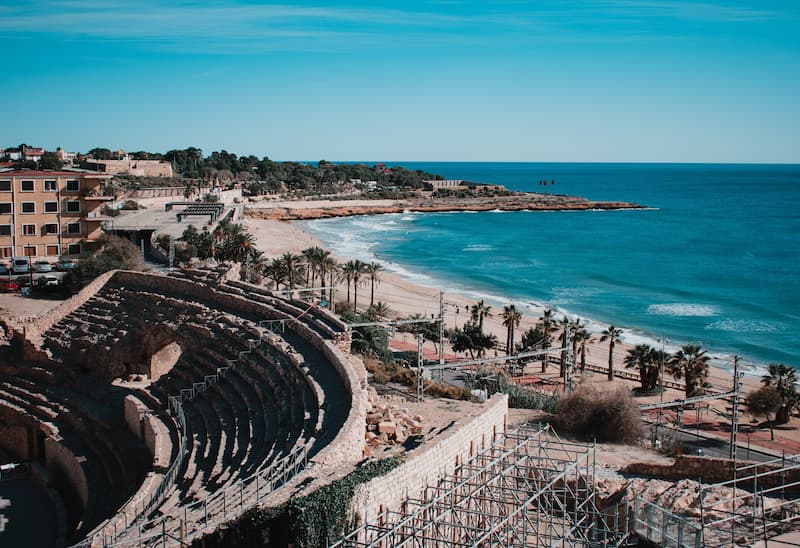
x,y
383,373
610,416
444,390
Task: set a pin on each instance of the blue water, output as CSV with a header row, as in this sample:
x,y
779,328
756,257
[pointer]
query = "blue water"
x,y
717,261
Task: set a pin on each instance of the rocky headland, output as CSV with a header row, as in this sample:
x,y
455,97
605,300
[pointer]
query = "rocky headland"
x,y
305,210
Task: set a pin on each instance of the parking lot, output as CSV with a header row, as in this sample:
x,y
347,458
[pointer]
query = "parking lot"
x,y
25,280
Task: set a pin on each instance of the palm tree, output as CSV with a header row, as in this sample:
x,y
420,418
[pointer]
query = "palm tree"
x,y
238,246
646,359
324,264
360,269
331,266
784,379
584,339
309,255
276,271
479,311
611,334
547,325
378,310
511,318
347,275
292,263
691,363
372,270
575,327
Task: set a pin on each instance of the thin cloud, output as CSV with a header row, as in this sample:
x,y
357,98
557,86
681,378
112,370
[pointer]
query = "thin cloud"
x,y
237,28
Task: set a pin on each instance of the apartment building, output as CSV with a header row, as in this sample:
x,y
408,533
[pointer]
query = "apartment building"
x,y
50,214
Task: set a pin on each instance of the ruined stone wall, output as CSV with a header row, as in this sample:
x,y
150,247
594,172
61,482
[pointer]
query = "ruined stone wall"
x,y
33,330
708,470
65,467
133,409
429,463
15,441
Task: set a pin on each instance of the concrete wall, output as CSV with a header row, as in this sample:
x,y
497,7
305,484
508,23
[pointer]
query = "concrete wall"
x,y
428,464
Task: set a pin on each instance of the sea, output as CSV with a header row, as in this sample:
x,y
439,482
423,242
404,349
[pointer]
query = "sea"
x,y
713,260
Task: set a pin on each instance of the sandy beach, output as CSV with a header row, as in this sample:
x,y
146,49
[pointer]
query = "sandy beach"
x,y
404,299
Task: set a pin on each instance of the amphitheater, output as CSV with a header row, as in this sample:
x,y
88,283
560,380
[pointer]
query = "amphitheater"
x,y
157,410
174,403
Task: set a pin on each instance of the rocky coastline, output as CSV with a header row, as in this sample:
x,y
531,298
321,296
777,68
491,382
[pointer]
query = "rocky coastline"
x,y
297,211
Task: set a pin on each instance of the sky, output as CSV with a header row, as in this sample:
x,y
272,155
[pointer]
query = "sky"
x,y
435,80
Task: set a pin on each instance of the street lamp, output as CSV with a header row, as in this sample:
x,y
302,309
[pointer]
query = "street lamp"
x,y
662,340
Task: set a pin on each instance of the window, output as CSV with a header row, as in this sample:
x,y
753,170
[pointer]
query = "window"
x,y
52,251
28,186
74,249
7,252
50,186
73,206
29,230
50,228
5,230
51,207
6,208
29,251
73,185
5,185
73,228
29,207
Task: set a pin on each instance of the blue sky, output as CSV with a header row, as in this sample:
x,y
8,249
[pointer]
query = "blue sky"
x,y
569,80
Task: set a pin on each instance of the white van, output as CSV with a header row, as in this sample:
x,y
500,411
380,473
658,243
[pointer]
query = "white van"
x,y
20,265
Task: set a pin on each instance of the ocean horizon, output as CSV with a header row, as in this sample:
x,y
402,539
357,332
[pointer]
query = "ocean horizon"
x,y
713,260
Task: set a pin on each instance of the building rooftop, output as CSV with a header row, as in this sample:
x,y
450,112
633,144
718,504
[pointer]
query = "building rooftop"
x,y
51,173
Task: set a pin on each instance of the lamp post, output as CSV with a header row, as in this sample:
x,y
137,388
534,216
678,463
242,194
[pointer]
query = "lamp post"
x,y
657,439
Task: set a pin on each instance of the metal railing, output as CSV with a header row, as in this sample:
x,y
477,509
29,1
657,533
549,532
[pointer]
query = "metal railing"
x,y
132,511
222,506
662,527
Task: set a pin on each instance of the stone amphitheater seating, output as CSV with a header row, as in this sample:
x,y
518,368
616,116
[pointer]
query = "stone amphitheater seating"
x,y
252,403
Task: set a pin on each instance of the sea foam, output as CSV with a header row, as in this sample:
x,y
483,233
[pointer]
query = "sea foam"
x,y
682,309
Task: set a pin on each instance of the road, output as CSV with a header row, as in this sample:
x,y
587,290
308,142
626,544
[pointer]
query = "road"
x,y
713,446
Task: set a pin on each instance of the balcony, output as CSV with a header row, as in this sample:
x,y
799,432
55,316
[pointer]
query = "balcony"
x,y
97,195
96,217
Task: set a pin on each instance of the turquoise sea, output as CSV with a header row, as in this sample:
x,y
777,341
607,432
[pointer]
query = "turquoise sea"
x,y
715,261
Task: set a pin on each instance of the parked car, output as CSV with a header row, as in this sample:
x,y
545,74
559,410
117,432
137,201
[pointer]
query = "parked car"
x,y
65,265
3,270
20,265
8,286
48,280
42,266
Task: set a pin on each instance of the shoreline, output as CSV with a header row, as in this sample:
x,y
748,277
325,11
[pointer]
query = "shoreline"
x,y
326,209
399,292
405,297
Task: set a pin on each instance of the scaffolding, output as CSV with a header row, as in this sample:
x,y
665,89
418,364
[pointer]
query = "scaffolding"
x,y
760,502
528,488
